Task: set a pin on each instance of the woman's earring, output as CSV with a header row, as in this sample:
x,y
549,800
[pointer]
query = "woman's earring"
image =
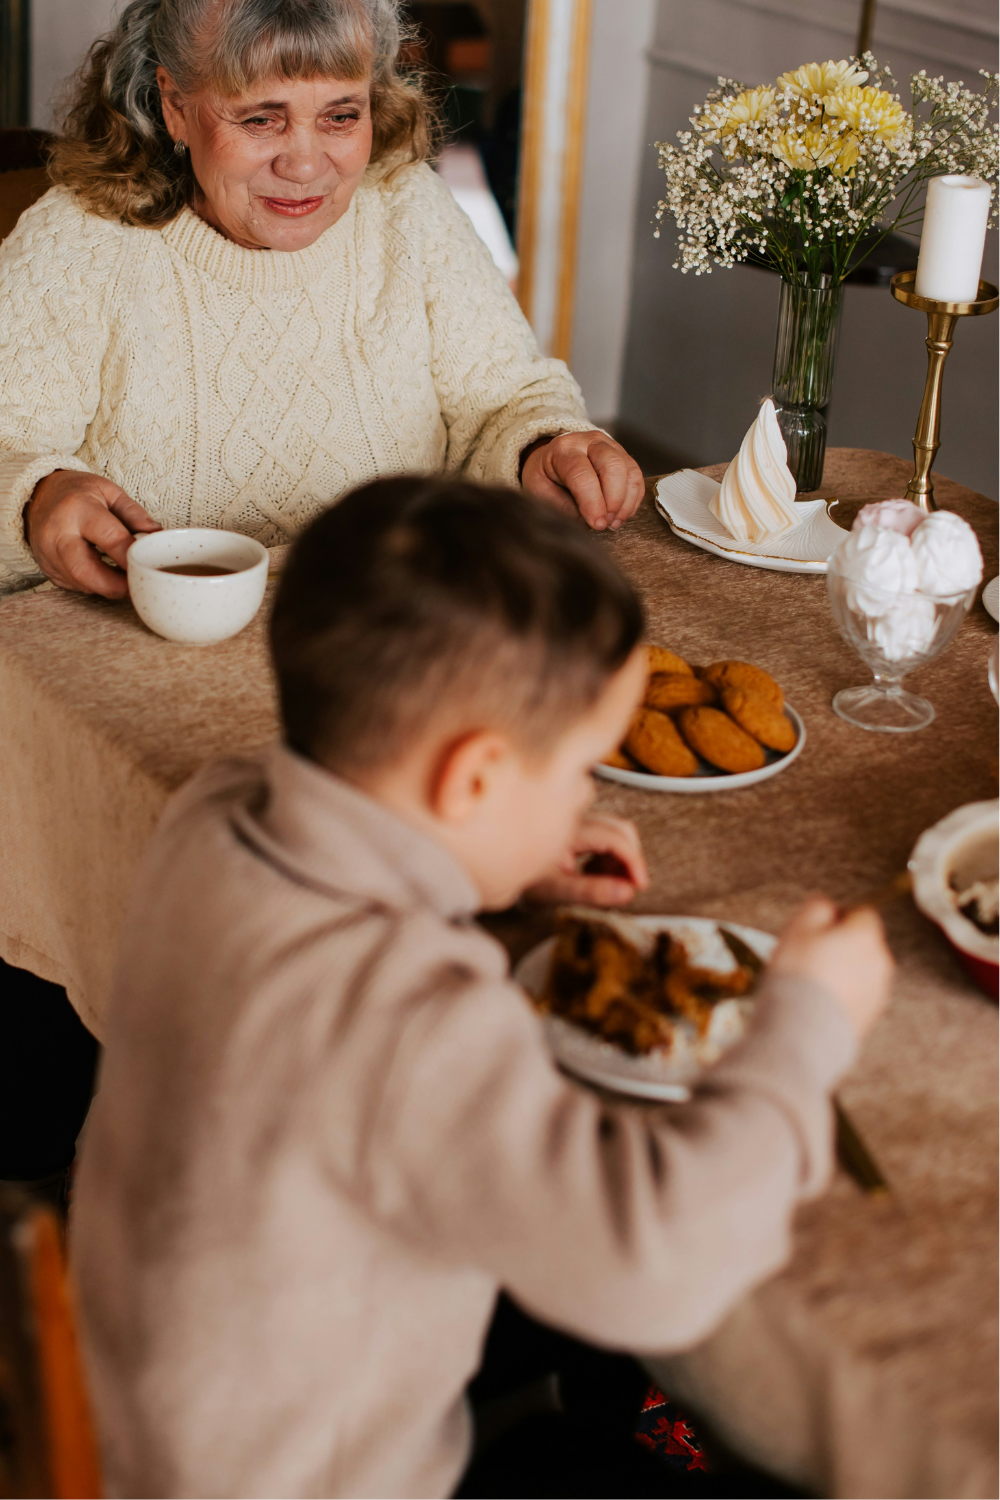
x,y
180,147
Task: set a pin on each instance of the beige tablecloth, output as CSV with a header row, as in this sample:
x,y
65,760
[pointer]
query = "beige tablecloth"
x,y
868,1368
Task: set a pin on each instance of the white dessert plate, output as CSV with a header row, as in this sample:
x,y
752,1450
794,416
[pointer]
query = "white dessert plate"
x,y
707,778
682,499
656,1075
991,598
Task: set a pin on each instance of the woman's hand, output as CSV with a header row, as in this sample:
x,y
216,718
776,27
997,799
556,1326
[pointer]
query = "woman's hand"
x,y
604,865
72,517
587,474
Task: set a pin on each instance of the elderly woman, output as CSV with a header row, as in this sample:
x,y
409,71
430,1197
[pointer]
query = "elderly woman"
x,y
248,293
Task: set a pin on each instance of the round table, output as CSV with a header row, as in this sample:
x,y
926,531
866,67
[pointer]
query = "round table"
x,y
868,1367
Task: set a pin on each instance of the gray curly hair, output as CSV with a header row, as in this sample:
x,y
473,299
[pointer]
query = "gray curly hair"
x,y
115,152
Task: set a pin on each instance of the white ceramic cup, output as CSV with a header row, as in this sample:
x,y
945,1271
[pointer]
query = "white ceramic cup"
x,y
196,611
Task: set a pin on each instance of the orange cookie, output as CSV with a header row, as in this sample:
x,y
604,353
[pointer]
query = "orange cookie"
x,y
656,745
620,760
659,659
742,674
669,690
714,736
759,717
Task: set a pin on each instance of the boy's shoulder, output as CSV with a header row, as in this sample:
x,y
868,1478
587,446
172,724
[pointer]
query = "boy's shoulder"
x,y
257,848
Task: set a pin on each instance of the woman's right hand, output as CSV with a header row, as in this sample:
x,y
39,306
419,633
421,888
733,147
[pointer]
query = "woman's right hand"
x,y
71,518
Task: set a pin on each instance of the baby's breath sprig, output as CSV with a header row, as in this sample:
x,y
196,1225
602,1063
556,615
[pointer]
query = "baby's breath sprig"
x,y
810,172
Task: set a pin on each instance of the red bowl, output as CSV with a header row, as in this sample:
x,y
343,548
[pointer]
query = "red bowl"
x,y
953,853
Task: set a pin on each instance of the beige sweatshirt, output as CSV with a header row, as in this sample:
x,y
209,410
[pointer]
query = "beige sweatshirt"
x,y
248,389
328,1130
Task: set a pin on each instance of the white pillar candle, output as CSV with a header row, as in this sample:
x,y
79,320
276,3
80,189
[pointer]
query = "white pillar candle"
x,y
954,233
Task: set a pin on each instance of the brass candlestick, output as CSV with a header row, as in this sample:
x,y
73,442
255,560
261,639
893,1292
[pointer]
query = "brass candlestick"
x,y
941,318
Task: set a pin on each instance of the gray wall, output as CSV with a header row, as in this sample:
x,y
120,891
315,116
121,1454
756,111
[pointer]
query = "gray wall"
x,y
699,350
61,32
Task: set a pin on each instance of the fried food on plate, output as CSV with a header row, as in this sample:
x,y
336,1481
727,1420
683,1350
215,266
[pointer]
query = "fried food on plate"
x,y
662,660
714,736
743,674
653,741
669,690
759,717
620,760
615,981
691,990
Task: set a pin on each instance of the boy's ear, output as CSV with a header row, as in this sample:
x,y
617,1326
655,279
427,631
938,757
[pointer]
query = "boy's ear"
x,y
466,775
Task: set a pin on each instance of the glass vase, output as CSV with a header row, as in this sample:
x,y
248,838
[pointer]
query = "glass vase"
x,y
804,351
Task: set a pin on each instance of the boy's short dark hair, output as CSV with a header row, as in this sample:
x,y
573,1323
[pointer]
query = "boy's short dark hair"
x,y
427,601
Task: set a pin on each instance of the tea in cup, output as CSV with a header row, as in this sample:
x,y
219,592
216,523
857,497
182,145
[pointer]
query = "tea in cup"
x,y
195,585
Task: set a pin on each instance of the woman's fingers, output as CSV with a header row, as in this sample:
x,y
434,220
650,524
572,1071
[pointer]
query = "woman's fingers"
x,y
604,484
73,517
105,532
81,569
569,464
612,466
538,484
131,513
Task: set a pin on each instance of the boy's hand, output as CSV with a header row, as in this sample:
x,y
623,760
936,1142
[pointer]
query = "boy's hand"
x,y
848,955
604,866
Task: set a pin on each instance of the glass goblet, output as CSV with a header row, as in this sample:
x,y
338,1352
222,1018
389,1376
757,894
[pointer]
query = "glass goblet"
x,y
892,633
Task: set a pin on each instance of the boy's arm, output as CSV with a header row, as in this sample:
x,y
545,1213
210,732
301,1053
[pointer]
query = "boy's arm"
x,y
626,1225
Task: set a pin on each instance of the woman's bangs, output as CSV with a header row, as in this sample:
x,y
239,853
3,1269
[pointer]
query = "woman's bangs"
x,y
293,47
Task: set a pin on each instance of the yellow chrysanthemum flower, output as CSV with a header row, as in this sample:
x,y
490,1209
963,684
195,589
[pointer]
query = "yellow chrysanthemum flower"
x,y
870,112
750,106
822,78
817,146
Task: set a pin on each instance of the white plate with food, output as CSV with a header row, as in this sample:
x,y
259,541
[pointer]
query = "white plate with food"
x,y
683,500
642,1005
716,728
708,778
991,598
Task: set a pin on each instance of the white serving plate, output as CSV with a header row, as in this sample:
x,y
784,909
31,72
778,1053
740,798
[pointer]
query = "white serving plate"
x,y
991,598
656,1075
708,779
682,499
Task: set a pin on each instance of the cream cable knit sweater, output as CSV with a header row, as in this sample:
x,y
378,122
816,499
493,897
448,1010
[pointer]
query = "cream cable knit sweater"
x,y
250,388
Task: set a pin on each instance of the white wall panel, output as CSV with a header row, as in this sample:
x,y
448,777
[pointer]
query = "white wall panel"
x,y
613,152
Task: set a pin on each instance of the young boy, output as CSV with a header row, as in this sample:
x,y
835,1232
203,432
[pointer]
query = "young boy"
x,y
328,1128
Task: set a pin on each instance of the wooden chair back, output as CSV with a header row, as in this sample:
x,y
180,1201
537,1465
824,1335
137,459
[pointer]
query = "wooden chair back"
x,y
23,178
47,1442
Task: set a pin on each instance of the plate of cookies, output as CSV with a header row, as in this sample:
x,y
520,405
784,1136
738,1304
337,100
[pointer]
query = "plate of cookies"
x,y
717,728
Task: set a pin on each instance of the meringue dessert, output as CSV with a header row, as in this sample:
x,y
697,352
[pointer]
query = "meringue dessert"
x,y
901,562
893,515
757,495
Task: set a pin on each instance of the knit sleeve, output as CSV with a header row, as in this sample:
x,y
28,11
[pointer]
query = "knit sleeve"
x,y
496,392
56,269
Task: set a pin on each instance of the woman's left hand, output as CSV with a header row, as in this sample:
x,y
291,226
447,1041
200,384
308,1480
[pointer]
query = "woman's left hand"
x,y
613,847
587,474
